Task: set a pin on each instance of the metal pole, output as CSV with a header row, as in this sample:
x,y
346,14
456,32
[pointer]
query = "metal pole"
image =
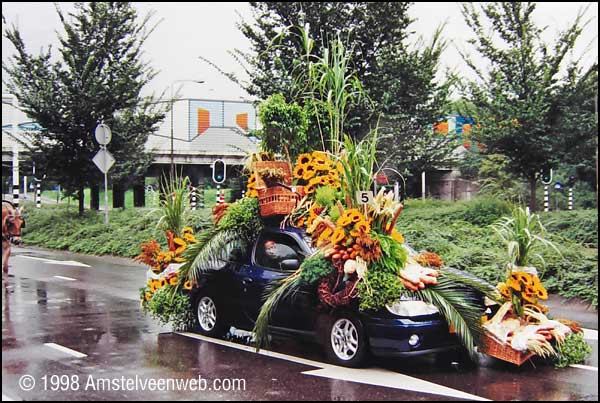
x,y
24,187
38,195
15,175
423,185
570,198
105,199
546,199
193,199
218,193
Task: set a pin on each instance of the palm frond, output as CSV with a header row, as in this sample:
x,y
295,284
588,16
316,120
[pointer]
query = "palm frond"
x,y
210,252
274,293
457,308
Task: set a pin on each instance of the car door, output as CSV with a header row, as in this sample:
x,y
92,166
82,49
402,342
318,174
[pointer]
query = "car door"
x,y
271,250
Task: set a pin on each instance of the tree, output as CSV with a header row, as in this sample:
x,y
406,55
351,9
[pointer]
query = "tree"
x,y
517,99
276,37
403,95
98,78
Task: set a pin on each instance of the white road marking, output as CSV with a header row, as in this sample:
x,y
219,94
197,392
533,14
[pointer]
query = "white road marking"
x,y
378,377
590,334
65,350
58,262
584,367
65,278
389,379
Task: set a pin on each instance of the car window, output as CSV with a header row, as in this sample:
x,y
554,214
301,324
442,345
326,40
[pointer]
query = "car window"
x,y
272,249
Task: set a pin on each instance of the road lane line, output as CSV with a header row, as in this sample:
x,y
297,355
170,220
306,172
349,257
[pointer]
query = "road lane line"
x,y
57,262
590,334
65,278
587,367
389,379
378,377
65,350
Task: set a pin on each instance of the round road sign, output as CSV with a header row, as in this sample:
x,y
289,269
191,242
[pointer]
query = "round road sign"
x,y
103,134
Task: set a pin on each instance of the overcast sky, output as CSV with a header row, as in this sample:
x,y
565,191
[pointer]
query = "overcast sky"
x,y
188,30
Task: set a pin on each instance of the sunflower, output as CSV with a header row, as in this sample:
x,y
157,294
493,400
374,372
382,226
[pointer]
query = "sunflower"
x,y
397,236
338,235
361,227
181,245
189,238
325,236
528,297
504,290
304,159
314,181
299,171
309,172
540,291
252,193
147,296
162,282
319,155
173,280
343,221
525,278
512,283
187,285
155,285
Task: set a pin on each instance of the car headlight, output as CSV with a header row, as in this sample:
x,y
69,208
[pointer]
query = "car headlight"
x,y
411,308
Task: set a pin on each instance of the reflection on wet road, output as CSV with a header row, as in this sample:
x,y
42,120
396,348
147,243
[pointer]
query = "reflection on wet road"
x,y
91,328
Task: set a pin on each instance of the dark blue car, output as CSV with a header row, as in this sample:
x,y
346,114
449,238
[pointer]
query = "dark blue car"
x,y
233,297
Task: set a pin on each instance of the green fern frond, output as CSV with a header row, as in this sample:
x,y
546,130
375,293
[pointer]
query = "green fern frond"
x,y
273,295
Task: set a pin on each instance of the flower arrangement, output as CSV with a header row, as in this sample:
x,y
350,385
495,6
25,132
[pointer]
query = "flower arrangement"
x,y
158,260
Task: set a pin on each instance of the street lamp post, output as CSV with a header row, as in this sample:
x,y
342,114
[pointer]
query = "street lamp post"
x,y
172,106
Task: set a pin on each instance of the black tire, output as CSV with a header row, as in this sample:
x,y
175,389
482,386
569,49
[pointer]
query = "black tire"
x,y
345,341
211,319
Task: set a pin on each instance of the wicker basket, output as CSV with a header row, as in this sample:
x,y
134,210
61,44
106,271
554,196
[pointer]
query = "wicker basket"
x,y
492,347
276,200
284,166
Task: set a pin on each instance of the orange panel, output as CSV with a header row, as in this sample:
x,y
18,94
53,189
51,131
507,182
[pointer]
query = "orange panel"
x,y
241,119
203,120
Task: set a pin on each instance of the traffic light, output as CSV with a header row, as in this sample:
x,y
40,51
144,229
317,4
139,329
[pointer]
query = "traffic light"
x,y
572,180
546,176
219,171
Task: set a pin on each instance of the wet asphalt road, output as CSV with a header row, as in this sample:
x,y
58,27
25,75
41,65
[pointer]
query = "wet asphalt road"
x,y
52,301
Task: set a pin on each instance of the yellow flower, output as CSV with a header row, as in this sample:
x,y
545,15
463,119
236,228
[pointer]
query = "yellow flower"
x,y
190,238
325,235
304,159
338,235
541,292
360,227
310,189
525,278
182,245
173,280
504,290
187,230
155,285
339,167
299,171
397,236
514,284
163,282
528,297
309,172
354,215
252,193
319,155
187,285
178,259
147,296
344,221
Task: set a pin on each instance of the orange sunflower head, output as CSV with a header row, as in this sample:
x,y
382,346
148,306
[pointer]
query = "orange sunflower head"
x,y
299,171
361,227
309,171
504,290
338,235
528,297
540,291
525,278
304,159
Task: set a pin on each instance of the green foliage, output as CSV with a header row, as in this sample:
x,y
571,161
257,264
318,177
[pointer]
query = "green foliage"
x,y
441,227
573,350
378,289
58,227
497,181
325,196
523,234
237,229
97,77
486,210
314,269
579,226
170,308
359,164
283,124
520,98
175,206
393,258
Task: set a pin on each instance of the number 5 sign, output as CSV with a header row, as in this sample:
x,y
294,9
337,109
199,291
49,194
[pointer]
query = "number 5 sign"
x,y
364,196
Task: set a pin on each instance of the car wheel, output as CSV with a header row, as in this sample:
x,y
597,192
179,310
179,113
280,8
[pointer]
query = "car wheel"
x,y
210,318
346,341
